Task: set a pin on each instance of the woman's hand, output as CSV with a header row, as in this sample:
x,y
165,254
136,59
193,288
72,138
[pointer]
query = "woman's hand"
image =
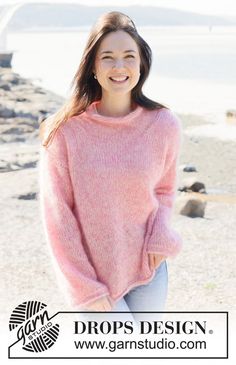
x,y
101,304
155,260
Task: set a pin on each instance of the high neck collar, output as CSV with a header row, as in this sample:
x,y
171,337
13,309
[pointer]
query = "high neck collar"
x,y
92,113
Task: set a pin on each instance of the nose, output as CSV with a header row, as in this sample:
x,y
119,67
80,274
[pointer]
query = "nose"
x,y
118,63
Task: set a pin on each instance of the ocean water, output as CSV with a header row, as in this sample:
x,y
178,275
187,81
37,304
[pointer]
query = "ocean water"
x,y
193,68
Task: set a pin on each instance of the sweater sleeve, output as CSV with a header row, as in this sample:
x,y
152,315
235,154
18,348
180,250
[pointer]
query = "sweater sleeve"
x,y
76,274
163,239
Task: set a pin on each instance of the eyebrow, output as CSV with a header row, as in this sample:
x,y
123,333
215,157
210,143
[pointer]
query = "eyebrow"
x,y
127,51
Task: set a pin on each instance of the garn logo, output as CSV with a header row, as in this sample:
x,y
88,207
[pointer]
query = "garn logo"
x,y
34,327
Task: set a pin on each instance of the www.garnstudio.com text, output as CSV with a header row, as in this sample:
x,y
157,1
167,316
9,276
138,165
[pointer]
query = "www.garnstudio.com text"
x,y
162,344
145,327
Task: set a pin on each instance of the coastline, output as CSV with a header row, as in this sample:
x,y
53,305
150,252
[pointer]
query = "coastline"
x,y
202,276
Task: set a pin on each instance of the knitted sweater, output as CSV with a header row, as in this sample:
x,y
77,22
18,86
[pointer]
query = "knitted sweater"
x,y
107,188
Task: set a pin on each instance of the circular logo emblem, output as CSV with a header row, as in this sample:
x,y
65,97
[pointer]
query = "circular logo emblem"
x,y
34,327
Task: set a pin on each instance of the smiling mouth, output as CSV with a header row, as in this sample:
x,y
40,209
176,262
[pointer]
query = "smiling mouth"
x,y
119,80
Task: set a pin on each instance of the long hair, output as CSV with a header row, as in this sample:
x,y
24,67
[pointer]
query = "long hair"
x,y
86,89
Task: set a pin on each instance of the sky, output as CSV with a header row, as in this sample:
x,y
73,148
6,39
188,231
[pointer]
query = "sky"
x,y
210,7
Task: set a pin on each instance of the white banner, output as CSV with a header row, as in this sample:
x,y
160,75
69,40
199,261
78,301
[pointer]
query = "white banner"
x,y
111,335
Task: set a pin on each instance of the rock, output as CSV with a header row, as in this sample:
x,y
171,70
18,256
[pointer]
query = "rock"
x,y
43,116
39,90
194,208
190,207
26,114
189,168
29,165
16,156
30,122
194,139
18,129
231,113
29,196
11,77
21,99
231,116
6,112
4,166
5,86
5,59
191,184
23,107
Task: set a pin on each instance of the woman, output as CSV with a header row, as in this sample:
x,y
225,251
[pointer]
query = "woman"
x,y
108,177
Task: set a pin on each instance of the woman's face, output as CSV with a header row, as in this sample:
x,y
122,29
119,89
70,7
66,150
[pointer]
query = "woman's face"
x,y
117,63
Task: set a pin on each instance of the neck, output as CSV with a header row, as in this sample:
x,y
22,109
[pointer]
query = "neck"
x,y
115,107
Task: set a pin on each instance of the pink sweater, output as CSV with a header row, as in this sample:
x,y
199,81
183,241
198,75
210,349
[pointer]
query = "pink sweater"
x,y
107,188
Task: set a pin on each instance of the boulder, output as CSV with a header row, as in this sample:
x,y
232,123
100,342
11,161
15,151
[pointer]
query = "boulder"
x,y
4,86
190,207
192,184
231,113
5,59
6,112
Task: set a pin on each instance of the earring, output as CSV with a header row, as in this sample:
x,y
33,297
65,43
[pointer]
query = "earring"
x,y
94,76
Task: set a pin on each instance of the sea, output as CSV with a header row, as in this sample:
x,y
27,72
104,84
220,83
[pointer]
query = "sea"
x,y
193,69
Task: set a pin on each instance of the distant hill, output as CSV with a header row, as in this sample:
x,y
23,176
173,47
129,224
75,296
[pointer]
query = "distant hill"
x,y
75,15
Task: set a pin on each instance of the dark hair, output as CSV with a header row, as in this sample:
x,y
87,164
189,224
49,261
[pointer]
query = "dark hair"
x,y
86,89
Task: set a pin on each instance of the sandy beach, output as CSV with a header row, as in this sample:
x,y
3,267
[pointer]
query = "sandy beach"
x,y
202,277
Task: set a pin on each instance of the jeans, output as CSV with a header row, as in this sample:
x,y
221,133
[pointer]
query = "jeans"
x,y
148,297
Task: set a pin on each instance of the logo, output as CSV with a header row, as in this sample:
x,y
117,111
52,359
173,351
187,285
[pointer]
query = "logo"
x,y
34,327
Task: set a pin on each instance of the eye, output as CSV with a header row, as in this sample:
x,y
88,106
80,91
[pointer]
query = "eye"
x,y
130,56
106,57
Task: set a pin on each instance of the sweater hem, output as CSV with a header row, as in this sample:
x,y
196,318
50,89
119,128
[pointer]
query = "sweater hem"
x,y
91,299
132,286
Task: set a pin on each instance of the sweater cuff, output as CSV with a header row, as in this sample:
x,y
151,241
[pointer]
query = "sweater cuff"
x,y
166,242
